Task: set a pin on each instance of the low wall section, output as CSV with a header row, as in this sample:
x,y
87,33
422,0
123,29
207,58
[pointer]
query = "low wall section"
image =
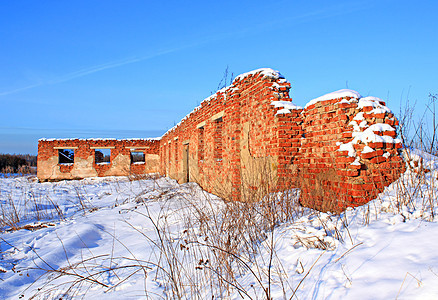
x,y
84,165
347,153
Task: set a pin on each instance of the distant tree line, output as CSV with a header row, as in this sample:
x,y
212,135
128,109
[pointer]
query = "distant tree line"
x,y
18,163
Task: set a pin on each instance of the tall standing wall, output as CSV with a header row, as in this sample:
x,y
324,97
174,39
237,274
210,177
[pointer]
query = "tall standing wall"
x,y
230,141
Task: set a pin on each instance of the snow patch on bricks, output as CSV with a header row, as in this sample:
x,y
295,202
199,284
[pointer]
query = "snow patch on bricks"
x,y
376,103
285,107
362,131
344,93
268,72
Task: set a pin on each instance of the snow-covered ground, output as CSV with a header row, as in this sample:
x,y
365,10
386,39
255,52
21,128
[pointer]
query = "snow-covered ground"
x,y
153,238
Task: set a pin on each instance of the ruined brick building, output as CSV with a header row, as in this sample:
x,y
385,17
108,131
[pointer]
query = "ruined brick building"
x,y
340,149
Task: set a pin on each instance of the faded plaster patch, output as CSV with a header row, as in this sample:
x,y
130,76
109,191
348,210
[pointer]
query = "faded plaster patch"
x,y
49,169
256,171
120,165
84,167
152,163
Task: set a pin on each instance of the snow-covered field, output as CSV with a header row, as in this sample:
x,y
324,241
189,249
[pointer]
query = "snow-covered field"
x,y
153,238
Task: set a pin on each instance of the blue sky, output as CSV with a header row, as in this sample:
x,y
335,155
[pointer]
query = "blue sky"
x,y
135,68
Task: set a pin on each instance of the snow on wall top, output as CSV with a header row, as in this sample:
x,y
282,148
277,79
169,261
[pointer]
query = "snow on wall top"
x,y
335,95
266,72
376,103
286,107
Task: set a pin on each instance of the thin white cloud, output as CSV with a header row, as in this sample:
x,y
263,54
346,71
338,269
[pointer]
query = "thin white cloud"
x,y
21,89
91,70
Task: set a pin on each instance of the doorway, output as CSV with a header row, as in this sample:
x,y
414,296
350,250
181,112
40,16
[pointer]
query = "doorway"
x,y
186,165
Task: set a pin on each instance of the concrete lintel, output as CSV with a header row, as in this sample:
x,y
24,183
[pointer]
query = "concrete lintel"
x,y
218,116
65,147
200,125
139,148
186,142
107,147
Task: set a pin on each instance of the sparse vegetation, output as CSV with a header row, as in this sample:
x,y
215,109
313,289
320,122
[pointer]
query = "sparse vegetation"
x,y
195,245
17,163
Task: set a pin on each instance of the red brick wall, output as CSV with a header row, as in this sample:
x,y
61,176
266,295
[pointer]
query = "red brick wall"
x,y
331,179
300,146
247,131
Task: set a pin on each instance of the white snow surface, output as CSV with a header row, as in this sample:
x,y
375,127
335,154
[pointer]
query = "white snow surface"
x,y
376,103
335,95
285,105
264,71
383,250
283,111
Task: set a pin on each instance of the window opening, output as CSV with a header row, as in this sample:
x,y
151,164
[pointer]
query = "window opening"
x,y
66,156
176,151
201,150
218,139
102,156
137,157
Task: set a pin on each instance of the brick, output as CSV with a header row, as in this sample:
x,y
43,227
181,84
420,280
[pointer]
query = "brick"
x,y
368,155
348,159
378,159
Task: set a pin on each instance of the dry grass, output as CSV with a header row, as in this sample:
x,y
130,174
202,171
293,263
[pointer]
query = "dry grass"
x,y
15,211
220,241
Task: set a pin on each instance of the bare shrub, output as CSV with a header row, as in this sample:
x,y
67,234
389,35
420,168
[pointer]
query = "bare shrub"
x,y
223,239
415,193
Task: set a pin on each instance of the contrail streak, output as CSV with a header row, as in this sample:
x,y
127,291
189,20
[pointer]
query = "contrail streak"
x,y
93,69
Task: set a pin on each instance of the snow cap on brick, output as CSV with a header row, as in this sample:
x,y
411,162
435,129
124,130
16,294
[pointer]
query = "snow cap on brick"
x,y
335,95
268,72
286,107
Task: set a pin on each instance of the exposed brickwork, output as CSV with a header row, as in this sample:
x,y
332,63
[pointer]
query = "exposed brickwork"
x,y
331,179
84,158
341,151
228,136
300,147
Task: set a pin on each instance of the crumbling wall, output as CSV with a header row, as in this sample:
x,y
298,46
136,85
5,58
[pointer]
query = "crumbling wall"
x,y
85,165
340,149
348,151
